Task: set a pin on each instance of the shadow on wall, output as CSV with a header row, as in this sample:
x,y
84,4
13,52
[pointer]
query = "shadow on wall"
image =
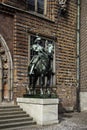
x,y
62,109
63,113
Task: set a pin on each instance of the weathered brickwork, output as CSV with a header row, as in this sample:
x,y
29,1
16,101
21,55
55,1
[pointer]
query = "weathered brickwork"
x,y
27,23
6,22
83,47
50,8
53,26
66,56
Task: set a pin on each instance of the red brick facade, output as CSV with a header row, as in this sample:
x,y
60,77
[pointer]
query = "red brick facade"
x,y
6,29
83,47
21,24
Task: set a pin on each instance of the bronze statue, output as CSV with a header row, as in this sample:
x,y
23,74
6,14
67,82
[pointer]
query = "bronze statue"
x,y
41,65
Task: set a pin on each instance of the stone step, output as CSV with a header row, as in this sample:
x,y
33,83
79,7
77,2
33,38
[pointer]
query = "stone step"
x,y
16,120
12,112
9,106
10,109
30,127
16,124
13,116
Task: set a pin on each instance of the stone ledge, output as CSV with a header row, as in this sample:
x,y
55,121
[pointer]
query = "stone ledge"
x,y
38,100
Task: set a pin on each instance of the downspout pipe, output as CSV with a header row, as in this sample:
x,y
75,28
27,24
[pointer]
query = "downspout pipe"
x,y
78,55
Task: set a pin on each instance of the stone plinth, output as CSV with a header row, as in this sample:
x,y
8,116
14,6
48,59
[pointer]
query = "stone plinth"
x,y
44,111
83,101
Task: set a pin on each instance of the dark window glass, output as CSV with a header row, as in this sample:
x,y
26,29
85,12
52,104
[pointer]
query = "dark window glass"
x,y
32,39
31,5
40,6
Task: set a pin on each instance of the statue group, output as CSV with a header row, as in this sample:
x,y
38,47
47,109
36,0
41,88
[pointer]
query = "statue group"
x,y
41,67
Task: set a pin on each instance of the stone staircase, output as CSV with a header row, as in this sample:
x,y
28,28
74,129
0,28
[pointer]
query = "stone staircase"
x,y
13,117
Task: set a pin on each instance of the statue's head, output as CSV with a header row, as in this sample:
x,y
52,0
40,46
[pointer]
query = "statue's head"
x,y
50,48
37,48
37,40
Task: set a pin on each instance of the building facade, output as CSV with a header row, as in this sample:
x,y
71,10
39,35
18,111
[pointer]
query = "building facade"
x,y
83,56
20,22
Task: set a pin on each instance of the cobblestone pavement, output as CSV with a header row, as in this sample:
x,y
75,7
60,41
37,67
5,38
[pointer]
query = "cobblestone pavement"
x,y
67,121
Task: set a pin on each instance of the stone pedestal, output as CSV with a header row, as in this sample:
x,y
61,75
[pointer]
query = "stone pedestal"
x,y
83,101
44,111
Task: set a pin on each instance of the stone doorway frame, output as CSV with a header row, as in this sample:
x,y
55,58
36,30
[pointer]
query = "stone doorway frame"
x,y
10,70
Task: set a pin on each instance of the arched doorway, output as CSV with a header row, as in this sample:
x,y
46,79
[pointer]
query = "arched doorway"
x,y
6,69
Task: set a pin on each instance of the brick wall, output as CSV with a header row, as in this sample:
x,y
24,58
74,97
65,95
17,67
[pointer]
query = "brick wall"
x,y
83,47
24,26
22,5
66,57
64,28
6,29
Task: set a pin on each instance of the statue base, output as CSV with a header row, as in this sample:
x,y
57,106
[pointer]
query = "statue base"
x,y
40,96
44,111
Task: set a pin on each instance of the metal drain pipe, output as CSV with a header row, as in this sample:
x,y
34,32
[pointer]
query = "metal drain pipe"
x,y
78,55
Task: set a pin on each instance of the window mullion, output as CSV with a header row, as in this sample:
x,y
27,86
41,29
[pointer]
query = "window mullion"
x,y
45,7
36,5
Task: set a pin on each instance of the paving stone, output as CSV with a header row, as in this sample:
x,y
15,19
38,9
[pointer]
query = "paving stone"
x,y
68,121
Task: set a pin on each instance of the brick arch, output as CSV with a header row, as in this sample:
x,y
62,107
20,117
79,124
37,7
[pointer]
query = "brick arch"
x,y
6,71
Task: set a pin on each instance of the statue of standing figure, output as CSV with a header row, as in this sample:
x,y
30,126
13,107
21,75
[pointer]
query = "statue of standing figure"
x,y
41,66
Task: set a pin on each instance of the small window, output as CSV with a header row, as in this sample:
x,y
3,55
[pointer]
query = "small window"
x,y
36,5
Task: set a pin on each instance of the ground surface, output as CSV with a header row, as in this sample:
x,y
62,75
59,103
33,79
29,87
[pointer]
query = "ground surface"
x,y
67,121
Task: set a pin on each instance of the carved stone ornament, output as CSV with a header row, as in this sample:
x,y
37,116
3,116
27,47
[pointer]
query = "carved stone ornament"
x,y
6,70
4,58
4,65
2,50
62,7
